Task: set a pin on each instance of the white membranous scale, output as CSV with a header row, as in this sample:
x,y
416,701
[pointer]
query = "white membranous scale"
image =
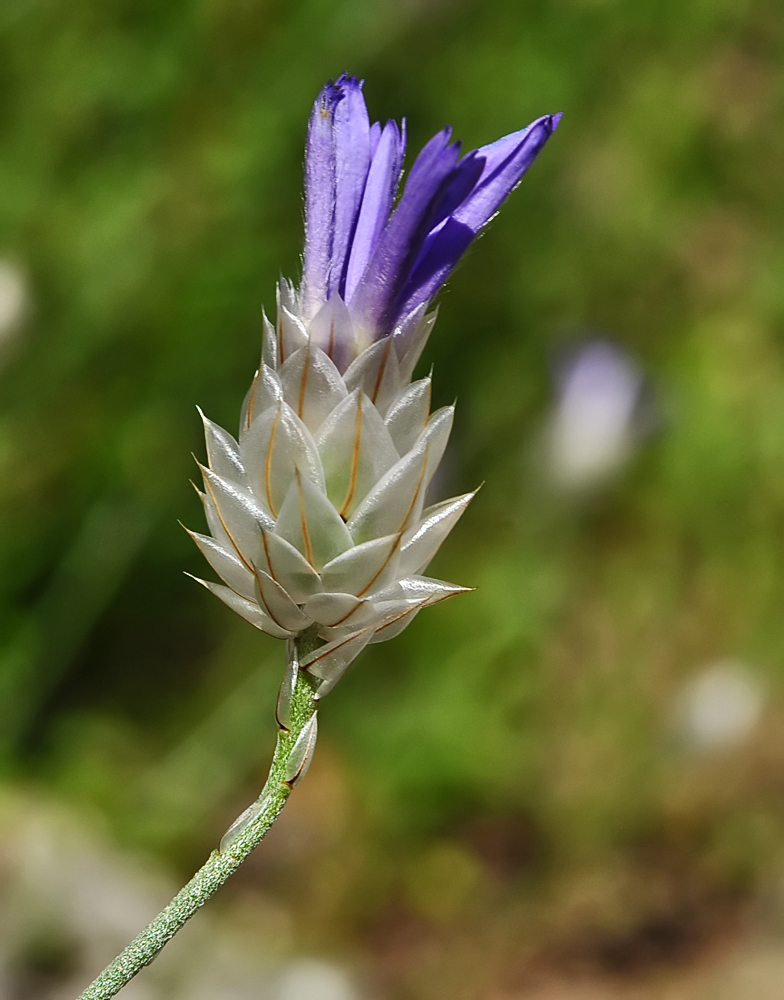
x,y
317,514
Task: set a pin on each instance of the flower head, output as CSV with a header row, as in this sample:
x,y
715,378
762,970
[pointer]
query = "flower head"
x,y
317,513
387,264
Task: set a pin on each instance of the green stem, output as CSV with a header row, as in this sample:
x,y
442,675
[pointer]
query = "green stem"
x,y
220,864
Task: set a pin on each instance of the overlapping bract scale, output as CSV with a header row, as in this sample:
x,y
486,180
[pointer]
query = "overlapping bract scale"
x,y
317,513
356,449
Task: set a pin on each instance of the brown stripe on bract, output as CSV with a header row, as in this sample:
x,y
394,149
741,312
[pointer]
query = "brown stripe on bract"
x,y
346,617
414,499
236,593
208,486
396,619
401,530
425,603
268,464
352,484
303,384
281,356
383,566
267,553
331,338
381,369
333,649
252,399
267,607
304,521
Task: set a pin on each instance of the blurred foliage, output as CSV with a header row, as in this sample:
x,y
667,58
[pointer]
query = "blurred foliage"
x,y
150,191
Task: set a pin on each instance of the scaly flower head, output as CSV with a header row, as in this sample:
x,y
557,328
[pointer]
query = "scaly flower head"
x,y
317,513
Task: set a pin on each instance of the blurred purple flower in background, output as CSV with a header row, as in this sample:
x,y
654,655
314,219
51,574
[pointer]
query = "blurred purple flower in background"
x,y
596,421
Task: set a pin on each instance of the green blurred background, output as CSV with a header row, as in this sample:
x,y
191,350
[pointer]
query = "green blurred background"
x,y
507,796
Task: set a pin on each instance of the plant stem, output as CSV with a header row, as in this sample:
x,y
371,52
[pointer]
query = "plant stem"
x,y
222,863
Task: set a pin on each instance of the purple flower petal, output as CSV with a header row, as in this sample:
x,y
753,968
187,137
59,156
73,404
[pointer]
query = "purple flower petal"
x,y
387,264
382,181
505,162
402,238
351,138
442,249
464,179
375,135
319,198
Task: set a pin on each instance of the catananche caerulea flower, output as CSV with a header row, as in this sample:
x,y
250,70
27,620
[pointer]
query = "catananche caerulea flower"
x,y
317,513
387,265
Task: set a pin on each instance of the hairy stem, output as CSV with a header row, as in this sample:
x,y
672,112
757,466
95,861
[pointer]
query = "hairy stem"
x,y
247,832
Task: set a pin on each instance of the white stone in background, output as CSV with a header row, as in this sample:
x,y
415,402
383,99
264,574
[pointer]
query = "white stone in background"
x,y
13,298
721,706
307,979
63,885
592,430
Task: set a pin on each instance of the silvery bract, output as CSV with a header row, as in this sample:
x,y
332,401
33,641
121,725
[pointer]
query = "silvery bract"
x,y
317,513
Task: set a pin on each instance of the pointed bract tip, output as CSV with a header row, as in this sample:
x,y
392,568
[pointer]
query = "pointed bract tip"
x,y
431,602
192,534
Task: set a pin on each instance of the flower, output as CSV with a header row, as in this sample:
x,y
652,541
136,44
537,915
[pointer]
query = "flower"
x,y
598,418
317,514
386,266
